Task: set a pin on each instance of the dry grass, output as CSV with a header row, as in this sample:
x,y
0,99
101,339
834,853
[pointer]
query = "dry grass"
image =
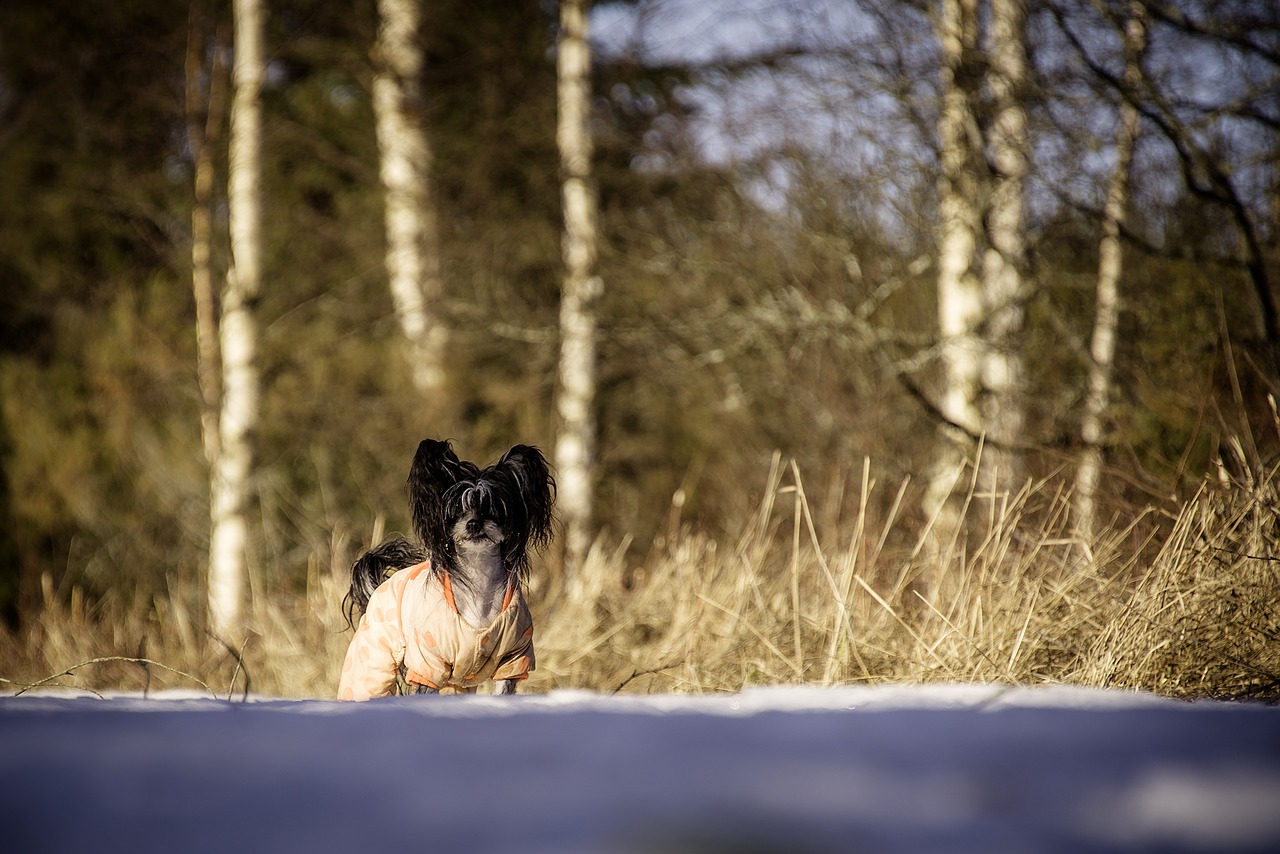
x,y
1018,601
1204,620
866,599
293,645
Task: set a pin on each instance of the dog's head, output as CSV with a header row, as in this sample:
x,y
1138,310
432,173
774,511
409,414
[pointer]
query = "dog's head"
x,y
457,506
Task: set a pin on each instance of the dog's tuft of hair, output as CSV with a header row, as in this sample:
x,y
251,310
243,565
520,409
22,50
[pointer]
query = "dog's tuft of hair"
x,y
453,502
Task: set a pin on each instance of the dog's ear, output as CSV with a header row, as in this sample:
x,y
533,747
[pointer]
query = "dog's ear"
x,y
435,462
526,470
435,469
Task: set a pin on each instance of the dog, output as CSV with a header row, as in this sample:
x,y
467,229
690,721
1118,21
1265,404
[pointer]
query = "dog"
x,y
447,613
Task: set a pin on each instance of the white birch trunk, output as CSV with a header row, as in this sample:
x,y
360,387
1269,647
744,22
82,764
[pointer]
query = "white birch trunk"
x,y
413,263
575,401
1005,256
230,489
1102,346
202,136
960,304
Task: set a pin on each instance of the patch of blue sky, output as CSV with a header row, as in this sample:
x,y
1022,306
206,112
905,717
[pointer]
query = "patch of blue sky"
x,y
827,97
851,90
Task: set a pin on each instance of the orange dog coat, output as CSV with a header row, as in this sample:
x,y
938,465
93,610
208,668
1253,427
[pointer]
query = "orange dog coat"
x,y
413,621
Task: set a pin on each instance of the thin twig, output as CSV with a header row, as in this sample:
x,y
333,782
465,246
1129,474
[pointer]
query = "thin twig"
x,y
102,660
239,657
636,674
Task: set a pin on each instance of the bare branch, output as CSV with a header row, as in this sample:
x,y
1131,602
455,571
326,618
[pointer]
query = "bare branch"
x,y
102,660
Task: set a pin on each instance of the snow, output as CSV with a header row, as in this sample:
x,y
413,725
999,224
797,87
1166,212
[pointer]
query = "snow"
x,y
795,769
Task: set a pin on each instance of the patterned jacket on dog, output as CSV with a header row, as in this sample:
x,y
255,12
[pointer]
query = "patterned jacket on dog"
x,y
412,622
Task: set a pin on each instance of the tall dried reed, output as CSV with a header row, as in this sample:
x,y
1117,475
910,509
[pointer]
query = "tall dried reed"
x,y
870,594
788,603
1204,618
292,645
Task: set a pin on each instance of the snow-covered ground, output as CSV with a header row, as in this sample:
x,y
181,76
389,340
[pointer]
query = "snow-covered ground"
x,y
939,768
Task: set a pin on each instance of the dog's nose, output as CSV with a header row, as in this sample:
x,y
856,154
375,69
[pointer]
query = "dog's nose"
x,y
475,526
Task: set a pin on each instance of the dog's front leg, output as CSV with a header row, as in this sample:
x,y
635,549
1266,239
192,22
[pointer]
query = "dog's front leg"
x,y
406,688
505,686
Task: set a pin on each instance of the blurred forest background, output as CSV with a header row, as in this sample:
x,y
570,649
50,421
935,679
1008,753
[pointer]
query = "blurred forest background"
x,y
767,176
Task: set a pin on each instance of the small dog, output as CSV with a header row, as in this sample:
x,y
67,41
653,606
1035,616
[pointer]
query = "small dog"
x,y
452,613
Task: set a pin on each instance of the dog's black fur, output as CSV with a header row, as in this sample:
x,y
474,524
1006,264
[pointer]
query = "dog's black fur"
x,y
464,517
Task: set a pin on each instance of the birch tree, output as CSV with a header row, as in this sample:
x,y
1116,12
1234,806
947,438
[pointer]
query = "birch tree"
x,y
960,303
412,256
982,134
582,288
230,489
205,94
1102,346
1005,257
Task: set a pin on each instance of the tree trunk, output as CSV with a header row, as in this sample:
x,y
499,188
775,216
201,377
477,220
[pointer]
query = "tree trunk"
x,y
1005,256
960,304
230,489
204,108
413,256
575,402
1107,308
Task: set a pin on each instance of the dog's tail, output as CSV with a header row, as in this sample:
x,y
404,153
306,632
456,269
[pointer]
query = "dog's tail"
x,y
372,568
